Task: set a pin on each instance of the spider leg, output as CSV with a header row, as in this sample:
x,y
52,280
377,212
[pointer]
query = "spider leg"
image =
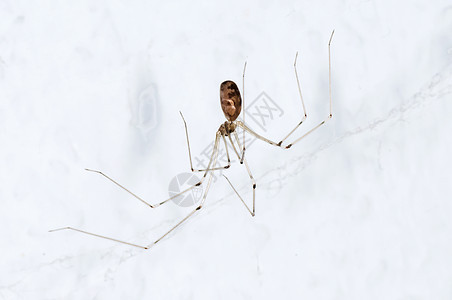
x,y
237,193
212,159
244,113
100,236
331,105
189,152
253,211
218,168
233,146
305,115
246,128
194,211
215,149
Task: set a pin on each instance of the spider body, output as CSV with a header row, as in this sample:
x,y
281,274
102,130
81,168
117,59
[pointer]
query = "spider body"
x,y
231,104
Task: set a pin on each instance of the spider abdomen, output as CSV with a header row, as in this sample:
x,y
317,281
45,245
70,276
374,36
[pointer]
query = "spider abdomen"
x,y
231,102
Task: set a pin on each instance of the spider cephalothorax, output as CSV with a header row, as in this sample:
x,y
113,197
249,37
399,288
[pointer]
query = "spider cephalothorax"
x,y
227,128
231,102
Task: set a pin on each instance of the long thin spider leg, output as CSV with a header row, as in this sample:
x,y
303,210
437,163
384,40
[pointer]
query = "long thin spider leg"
x,y
251,177
148,204
194,211
246,128
306,134
227,155
213,158
242,125
215,148
329,73
305,115
244,112
233,146
273,143
118,184
241,199
189,152
329,90
227,151
188,141
100,236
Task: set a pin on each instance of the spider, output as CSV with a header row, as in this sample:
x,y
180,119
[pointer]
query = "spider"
x,y
231,104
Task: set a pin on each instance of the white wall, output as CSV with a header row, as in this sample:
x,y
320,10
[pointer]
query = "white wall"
x,y
359,210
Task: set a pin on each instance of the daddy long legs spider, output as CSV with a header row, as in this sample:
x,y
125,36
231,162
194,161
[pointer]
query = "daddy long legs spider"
x,y
231,104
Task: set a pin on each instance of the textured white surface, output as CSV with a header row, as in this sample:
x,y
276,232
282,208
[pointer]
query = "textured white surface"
x,y
359,210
